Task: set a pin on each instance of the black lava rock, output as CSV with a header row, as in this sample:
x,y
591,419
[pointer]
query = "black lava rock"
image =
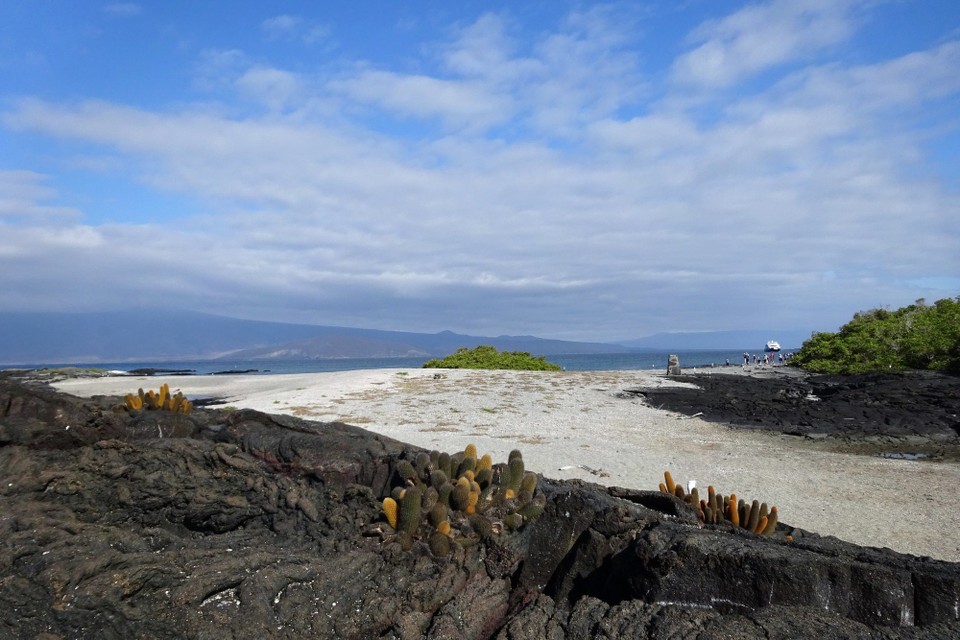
x,y
240,524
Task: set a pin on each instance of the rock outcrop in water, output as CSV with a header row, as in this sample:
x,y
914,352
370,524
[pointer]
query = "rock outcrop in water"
x,y
241,524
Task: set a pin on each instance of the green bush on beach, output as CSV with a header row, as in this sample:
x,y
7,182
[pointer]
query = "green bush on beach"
x,y
918,336
487,357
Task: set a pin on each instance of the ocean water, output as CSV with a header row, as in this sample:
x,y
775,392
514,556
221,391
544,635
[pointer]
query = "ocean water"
x,y
572,362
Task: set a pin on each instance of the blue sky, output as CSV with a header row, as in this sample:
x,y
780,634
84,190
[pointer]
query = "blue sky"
x,y
570,170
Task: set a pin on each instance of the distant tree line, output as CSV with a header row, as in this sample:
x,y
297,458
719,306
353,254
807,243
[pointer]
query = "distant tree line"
x,y
918,336
487,357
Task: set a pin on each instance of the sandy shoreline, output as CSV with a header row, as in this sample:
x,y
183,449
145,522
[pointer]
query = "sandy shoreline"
x,y
566,422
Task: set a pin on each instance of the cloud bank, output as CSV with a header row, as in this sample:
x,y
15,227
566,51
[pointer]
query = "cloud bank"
x,y
562,181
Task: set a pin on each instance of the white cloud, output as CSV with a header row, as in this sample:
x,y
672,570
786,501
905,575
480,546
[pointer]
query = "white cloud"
x,y
560,81
26,195
455,103
761,36
123,9
524,200
274,88
285,26
281,25
904,82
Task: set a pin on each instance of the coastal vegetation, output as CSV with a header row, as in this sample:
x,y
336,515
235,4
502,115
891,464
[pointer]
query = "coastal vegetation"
x,y
487,357
918,336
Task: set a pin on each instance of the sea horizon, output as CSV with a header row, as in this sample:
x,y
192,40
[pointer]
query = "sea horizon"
x,y
641,360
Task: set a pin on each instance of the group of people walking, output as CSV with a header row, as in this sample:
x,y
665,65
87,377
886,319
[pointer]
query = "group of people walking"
x,y
766,359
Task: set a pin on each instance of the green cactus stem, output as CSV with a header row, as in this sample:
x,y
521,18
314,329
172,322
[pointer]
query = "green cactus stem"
x,y
467,464
438,514
445,491
513,521
422,462
410,511
531,511
529,482
516,473
443,463
406,471
437,478
461,495
440,544
754,518
481,525
484,477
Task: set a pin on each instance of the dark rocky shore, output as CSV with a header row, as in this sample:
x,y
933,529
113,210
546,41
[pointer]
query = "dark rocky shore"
x,y
885,413
245,525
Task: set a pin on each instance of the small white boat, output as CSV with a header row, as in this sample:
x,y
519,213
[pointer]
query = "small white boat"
x,y
773,345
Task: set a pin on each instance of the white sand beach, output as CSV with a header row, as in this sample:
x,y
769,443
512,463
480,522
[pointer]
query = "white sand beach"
x,y
571,424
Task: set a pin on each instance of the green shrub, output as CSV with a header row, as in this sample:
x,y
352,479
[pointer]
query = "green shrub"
x,y
487,357
918,336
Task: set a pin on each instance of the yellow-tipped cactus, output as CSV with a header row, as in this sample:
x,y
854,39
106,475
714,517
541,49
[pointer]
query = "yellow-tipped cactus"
x,y
459,508
390,510
771,522
529,482
460,495
162,401
668,481
471,507
717,509
486,462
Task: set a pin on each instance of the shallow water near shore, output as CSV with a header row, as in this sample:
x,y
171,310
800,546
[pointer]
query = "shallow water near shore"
x,y
646,360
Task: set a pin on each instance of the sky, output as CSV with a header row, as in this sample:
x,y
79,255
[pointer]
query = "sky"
x,y
570,170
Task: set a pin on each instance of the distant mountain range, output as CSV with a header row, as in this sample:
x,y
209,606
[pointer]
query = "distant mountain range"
x,y
158,336
60,338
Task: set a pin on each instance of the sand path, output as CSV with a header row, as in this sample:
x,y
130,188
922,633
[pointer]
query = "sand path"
x,y
572,424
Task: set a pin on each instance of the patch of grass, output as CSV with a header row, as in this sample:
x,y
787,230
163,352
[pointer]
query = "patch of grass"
x,y
487,357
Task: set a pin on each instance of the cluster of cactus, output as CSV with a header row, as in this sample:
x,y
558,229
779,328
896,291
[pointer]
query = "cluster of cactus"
x,y
460,498
719,509
158,400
